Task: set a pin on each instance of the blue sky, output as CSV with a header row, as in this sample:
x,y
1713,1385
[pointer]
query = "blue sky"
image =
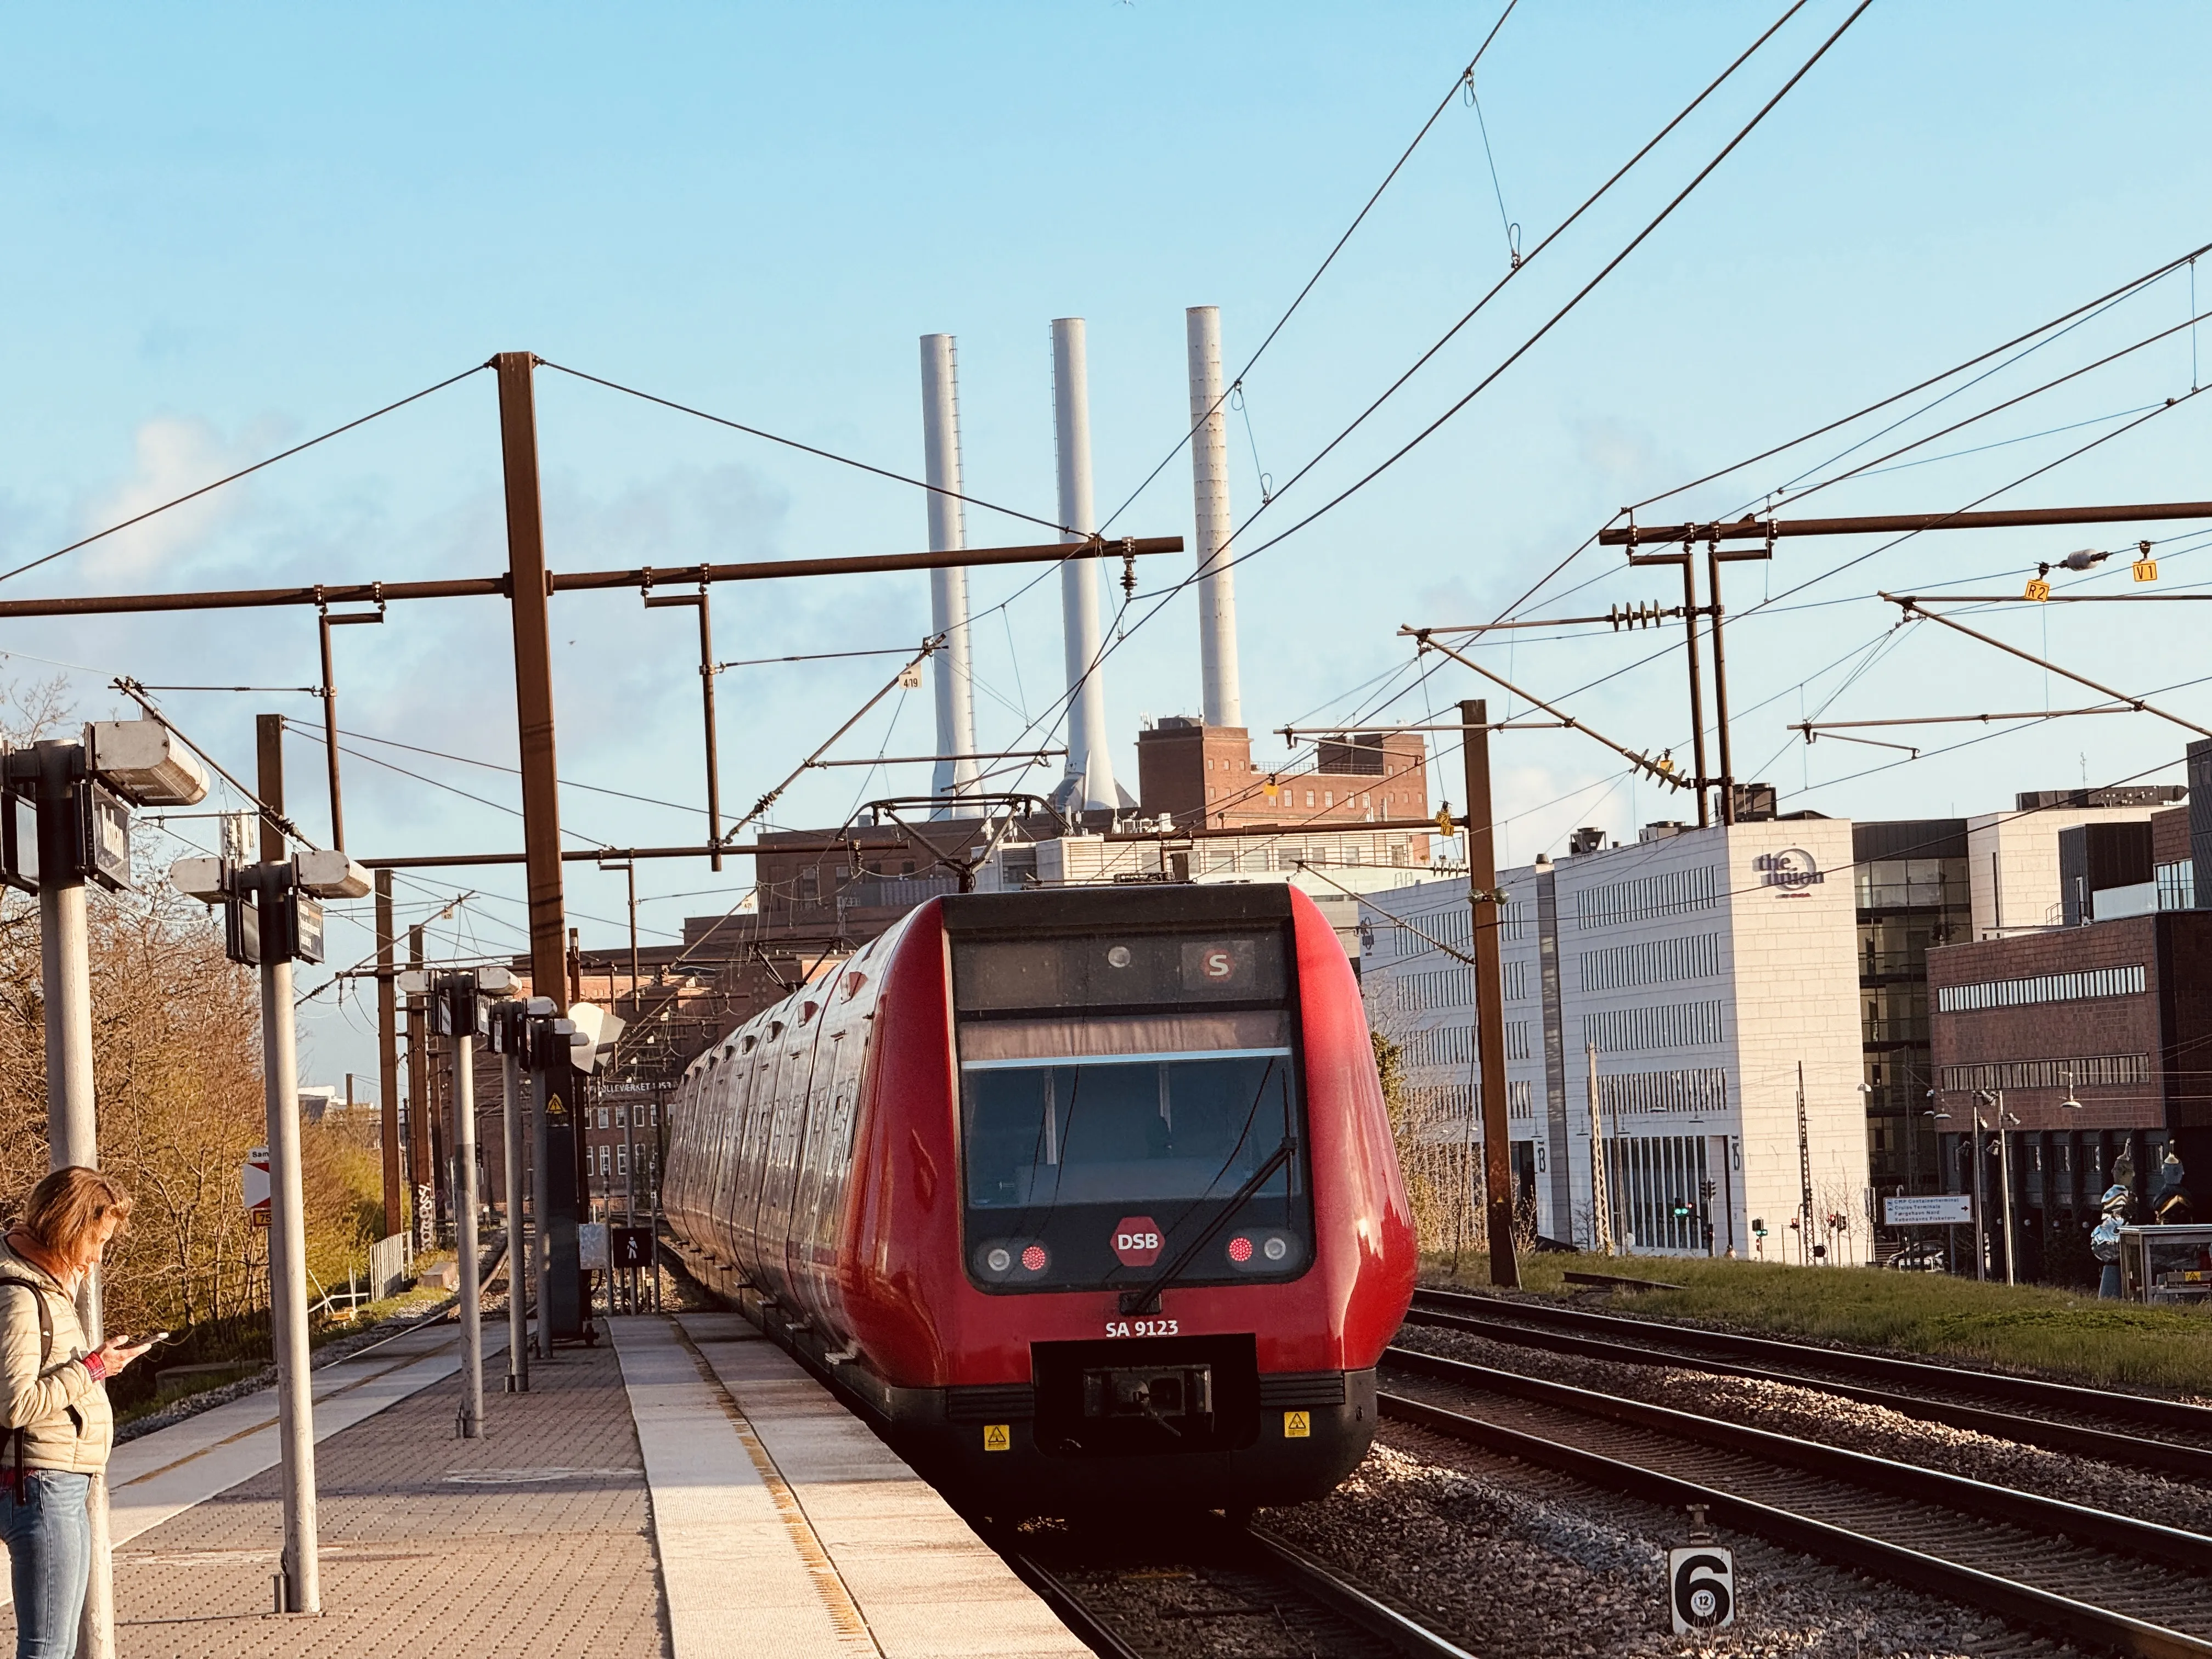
x,y
233,228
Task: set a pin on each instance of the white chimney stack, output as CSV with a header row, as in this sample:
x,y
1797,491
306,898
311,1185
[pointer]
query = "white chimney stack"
x,y
948,589
1090,766
1209,489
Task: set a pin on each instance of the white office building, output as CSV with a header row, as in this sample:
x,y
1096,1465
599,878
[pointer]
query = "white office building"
x,y
1707,972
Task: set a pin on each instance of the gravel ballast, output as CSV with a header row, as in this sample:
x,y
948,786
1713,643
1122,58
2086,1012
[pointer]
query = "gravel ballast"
x,y
1809,1413
1514,1562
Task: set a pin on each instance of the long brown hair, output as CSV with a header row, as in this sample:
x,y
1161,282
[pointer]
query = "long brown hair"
x,y
66,1207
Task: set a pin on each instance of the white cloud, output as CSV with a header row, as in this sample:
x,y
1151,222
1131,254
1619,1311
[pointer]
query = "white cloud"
x,y
172,456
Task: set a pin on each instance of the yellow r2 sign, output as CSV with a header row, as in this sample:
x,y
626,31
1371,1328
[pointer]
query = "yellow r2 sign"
x,y
1298,1425
998,1436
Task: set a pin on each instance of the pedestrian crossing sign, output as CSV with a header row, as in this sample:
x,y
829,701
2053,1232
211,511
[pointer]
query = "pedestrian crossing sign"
x,y
998,1436
1298,1425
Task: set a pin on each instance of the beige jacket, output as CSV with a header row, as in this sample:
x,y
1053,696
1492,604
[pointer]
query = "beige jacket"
x,y
62,1405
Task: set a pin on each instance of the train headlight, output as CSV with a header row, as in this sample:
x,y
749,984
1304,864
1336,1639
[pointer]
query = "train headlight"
x,y
1118,956
1268,1251
998,1259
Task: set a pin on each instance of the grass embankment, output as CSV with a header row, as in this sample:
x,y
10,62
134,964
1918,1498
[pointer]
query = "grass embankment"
x,y
2063,1335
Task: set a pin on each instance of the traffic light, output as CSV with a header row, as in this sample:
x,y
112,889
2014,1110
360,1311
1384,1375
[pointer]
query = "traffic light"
x,y
1682,1210
1706,1189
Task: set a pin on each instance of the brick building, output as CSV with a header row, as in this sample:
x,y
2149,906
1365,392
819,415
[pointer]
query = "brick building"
x,y
2100,1036
1204,776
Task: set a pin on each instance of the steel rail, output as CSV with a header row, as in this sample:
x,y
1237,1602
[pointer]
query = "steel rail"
x,y
1243,1548
2019,1603
2165,1457
2120,1534
2142,1410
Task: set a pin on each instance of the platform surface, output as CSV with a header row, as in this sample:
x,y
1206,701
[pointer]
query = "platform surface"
x,y
684,1492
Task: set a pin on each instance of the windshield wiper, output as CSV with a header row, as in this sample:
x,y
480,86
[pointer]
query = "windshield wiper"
x,y
1145,1299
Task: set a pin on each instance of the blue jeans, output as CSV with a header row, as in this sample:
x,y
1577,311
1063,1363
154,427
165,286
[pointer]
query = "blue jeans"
x,y
49,1550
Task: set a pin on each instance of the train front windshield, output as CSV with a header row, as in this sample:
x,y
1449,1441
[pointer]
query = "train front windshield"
x,y
1118,1097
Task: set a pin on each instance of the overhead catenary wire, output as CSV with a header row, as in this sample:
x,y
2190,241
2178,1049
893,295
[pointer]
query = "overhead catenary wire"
x,y
243,472
1113,643
815,450
1238,380
2122,291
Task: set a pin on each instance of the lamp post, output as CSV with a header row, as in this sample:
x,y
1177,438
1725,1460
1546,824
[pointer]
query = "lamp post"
x,y
270,919
1995,1100
458,1010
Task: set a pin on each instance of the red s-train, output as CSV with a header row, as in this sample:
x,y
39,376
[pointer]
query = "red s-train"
x,y
1084,1196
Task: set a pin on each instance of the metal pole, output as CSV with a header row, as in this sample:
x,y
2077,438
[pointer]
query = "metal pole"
x,y
1720,683
72,1120
387,1060
2004,1180
1981,1205
533,670
330,730
948,587
541,1210
1489,996
1209,478
464,1211
301,1575
1696,685
418,1106
707,709
1804,1176
518,1275
1600,1211
1090,764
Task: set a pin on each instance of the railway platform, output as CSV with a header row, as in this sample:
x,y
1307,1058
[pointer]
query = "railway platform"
x,y
684,1491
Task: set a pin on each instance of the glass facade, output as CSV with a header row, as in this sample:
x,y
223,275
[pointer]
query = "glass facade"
x,y
1911,894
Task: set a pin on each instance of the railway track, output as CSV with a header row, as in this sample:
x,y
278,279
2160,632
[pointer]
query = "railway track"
x,y
2170,1437
1159,1601
2111,1582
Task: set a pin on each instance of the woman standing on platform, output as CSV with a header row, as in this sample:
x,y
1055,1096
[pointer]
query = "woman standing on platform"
x,y
53,1385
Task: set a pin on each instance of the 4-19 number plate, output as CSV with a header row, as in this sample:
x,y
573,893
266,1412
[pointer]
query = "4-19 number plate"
x,y
1140,1328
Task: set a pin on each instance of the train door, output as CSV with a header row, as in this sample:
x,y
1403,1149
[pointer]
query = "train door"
x,y
762,1116
732,1082
826,1166
794,1107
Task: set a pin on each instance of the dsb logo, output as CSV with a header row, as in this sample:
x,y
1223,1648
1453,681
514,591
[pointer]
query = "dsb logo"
x,y
1137,1241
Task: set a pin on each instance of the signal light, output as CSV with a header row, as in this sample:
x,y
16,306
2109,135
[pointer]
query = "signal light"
x,y
1681,1212
1240,1249
1034,1258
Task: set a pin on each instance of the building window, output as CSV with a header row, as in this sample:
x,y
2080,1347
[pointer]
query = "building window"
x,y
622,1117
1648,898
1656,961
1309,798
603,1117
2088,1072
2177,885
1671,1025
1703,1089
606,1164
2091,983
622,1161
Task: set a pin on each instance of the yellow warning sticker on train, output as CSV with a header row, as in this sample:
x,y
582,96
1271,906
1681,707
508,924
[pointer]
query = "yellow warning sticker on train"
x,y
1298,1425
998,1436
